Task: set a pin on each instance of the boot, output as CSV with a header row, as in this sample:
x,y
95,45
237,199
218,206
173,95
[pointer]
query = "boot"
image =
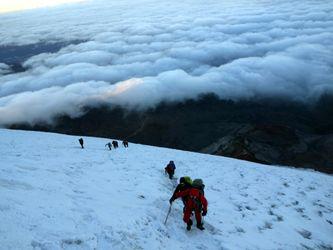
x,y
189,224
200,226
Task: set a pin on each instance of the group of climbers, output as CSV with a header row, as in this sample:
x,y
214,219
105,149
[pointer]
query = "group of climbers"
x,y
109,144
193,197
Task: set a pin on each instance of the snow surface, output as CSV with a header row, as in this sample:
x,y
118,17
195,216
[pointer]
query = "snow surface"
x,y
55,195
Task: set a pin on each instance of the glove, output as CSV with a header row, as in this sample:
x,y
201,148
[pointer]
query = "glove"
x,y
171,200
204,213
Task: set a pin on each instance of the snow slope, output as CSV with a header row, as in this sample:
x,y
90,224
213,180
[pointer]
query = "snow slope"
x,y
55,195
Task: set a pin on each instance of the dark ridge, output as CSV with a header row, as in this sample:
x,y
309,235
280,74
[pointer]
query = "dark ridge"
x,y
15,55
266,131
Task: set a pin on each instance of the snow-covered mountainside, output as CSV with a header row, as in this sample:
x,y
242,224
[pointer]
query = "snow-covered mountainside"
x,y
55,195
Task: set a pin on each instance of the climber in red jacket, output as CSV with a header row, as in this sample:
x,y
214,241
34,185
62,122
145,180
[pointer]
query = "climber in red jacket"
x,y
196,202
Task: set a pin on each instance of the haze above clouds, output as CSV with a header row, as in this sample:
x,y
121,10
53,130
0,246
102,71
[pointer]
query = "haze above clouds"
x,y
18,5
139,53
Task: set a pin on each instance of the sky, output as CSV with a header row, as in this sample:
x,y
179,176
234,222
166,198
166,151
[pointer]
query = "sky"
x,y
139,53
17,5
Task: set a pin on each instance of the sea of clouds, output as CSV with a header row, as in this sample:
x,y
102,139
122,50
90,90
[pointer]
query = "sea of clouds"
x,y
139,53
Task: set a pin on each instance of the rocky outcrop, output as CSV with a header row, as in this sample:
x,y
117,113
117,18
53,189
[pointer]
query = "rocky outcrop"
x,y
276,144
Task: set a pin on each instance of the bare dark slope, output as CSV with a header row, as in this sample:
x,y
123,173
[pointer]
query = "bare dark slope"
x,y
14,55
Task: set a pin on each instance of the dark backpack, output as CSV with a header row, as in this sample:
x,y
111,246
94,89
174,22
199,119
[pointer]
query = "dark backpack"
x,y
198,184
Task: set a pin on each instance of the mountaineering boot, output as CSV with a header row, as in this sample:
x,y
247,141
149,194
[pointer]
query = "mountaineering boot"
x,y
189,224
188,227
200,226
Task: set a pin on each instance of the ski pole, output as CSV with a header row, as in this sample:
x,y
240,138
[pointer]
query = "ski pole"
x,y
168,214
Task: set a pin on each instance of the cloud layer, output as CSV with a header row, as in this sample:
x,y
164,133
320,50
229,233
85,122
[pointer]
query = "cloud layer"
x,y
139,53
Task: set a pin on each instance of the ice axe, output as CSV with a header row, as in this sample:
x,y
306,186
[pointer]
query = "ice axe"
x,y
169,211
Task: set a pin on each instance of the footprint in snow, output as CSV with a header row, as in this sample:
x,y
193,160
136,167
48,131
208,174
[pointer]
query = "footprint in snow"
x,y
306,217
316,203
295,203
75,243
270,212
71,242
258,201
163,232
239,230
310,188
213,230
273,206
279,217
300,210
305,234
41,245
266,226
215,189
329,194
250,208
239,208
302,193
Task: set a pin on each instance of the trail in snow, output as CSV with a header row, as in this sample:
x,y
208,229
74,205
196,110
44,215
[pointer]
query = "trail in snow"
x,y
55,195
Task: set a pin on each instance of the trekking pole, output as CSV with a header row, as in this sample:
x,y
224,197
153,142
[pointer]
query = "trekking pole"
x,y
168,214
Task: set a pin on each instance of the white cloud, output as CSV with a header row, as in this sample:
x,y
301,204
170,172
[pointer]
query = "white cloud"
x,y
139,53
4,69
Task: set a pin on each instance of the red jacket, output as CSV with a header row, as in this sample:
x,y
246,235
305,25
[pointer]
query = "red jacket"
x,y
193,195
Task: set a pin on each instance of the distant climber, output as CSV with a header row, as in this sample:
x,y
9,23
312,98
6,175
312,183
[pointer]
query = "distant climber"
x,y
125,143
184,184
170,169
115,144
109,145
196,202
81,142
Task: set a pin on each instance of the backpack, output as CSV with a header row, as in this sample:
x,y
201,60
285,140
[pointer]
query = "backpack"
x,y
198,183
172,165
